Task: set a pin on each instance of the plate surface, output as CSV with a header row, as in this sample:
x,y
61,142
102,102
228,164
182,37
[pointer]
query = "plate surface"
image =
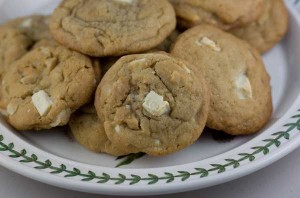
x,y
52,158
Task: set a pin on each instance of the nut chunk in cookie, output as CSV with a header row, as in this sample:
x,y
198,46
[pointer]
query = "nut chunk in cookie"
x,y
241,101
112,27
45,86
152,103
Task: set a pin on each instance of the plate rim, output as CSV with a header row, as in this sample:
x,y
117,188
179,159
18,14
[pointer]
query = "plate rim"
x,y
144,181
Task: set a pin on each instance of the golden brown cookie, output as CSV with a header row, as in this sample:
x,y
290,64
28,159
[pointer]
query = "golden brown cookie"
x,y
241,100
89,132
13,45
53,43
269,29
152,103
34,26
45,86
223,14
112,27
17,37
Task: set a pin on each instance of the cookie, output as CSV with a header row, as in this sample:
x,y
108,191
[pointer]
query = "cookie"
x,y
222,14
152,103
45,86
45,42
269,29
18,35
89,132
107,28
13,45
35,26
53,43
241,101
107,62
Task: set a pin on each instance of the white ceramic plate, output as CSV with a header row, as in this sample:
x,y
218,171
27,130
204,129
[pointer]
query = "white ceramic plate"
x,y
52,158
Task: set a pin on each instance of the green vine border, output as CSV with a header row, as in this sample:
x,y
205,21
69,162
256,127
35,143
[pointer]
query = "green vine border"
x,y
275,140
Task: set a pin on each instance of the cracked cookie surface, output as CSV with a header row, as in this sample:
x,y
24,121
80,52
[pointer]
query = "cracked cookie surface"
x,y
17,36
269,29
241,101
34,26
112,27
152,103
223,14
13,45
44,87
51,42
89,132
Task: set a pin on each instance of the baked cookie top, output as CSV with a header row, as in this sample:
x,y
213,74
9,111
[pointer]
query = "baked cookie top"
x,y
17,37
112,27
89,132
51,42
44,87
34,26
240,85
13,45
224,14
269,29
152,103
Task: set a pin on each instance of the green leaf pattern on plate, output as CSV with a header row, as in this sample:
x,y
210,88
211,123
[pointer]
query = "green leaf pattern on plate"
x,y
274,141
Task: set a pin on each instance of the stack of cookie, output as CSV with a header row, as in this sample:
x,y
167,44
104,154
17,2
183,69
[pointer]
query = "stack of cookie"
x,y
126,81
262,23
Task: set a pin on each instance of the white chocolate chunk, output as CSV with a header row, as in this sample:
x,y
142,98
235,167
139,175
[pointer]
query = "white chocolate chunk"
x,y
11,109
95,82
128,107
157,142
45,51
142,60
125,1
155,104
118,128
28,80
26,23
204,41
187,69
42,102
244,89
62,118
13,106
